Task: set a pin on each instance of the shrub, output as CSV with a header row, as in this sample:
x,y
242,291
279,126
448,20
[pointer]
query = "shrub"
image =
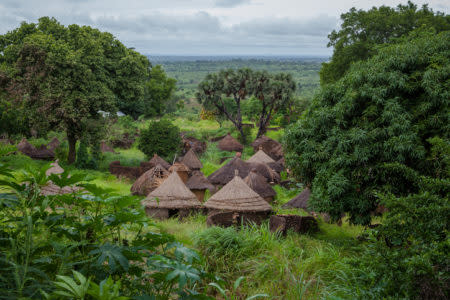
x,y
161,137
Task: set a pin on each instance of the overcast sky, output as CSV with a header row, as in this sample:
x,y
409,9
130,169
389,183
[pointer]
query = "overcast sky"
x,y
203,27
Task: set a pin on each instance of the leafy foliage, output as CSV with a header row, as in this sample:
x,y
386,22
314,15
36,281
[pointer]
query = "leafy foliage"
x,y
361,31
158,91
162,138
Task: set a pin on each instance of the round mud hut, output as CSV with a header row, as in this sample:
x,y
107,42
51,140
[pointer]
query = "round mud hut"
x,y
182,170
191,160
236,197
259,184
156,160
229,143
149,181
198,184
260,157
300,201
171,198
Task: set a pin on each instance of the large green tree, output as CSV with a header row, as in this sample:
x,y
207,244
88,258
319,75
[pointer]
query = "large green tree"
x,y
63,76
362,30
158,91
368,132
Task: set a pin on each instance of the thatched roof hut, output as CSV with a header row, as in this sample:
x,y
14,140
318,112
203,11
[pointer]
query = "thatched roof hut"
x,y
169,198
156,160
54,143
271,147
43,153
25,147
259,184
193,143
182,170
226,173
237,196
300,201
260,157
191,161
149,181
198,184
229,143
277,167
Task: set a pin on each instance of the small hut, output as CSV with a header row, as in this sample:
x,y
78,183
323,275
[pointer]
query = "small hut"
x,y
191,161
271,176
149,181
43,153
170,198
260,157
25,147
54,143
182,170
259,184
225,174
198,184
271,147
156,160
300,201
229,143
238,197
193,143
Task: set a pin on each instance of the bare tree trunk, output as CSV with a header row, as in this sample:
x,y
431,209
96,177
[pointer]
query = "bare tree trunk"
x,y
72,148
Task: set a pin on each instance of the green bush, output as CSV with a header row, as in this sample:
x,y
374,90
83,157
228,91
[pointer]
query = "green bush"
x,y
162,138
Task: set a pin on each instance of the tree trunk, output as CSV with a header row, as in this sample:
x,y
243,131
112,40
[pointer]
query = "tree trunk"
x,y
72,148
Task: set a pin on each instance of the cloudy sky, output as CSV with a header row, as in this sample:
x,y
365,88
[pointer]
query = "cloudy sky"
x,y
203,27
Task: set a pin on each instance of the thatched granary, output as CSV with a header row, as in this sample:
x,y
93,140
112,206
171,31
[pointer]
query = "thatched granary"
x,y
43,153
271,147
156,160
259,184
54,143
225,174
260,157
300,201
229,143
25,147
149,181
170,198
182,170
198,184
238,197
191,161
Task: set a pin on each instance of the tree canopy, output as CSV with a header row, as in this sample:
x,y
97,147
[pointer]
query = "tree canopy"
x,y
362,30
371,131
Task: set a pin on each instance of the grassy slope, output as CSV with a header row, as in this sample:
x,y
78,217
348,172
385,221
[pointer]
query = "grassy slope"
x,y
291,267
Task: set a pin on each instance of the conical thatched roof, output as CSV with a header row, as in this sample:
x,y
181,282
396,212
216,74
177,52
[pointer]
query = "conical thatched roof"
x,y
300,201
277,167
25,147
156,160
179,167
42,153
225,174
259,184
260,157
149,181
264,170
172,194
54,169
271,147
198,181
237,196
229,143
191,160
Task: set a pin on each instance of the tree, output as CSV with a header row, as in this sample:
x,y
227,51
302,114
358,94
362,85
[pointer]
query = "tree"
x,y
363,134
68,74
274,92
158,90
362,30
215,88
162,138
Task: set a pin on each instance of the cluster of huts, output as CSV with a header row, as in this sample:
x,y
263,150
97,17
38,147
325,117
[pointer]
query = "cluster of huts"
x,y
45,152
240,191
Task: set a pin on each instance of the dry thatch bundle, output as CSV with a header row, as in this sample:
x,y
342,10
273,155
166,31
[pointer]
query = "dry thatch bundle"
x,y
25,147
156,160
172,194
182,170
300,201
237,196
259,184
229,143
54,143
191,161
149,181
271,147
260,157
198,181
